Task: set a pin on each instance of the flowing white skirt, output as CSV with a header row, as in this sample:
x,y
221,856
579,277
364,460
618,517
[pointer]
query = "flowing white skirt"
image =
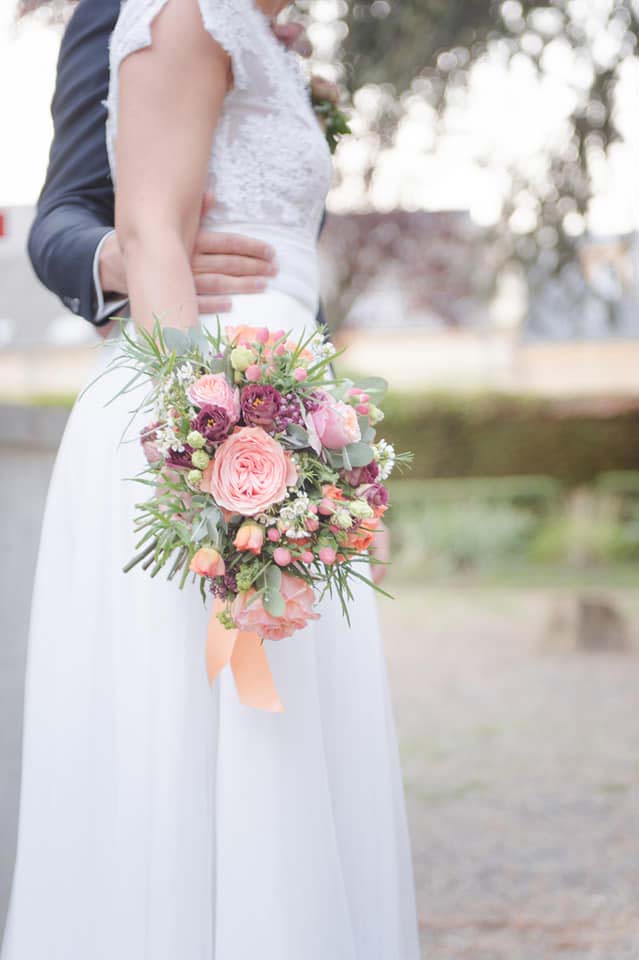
x,y
160,819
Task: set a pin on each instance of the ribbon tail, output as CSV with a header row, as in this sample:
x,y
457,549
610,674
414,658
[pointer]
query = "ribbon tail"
x,y
253,677
219,645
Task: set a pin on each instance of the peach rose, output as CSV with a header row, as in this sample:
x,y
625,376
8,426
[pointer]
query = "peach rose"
x,y
249,472
249,614
214,390
250,536
335,423
207,562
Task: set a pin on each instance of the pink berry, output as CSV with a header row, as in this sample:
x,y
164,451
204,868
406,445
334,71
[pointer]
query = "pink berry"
x,y
362,409
282,556
273,534
353,392
307,557
364,398
300,373
313,508
326,507
311,524
262,335
327,555
253,372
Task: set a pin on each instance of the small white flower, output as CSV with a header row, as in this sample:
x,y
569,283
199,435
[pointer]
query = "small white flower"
x,y
384,454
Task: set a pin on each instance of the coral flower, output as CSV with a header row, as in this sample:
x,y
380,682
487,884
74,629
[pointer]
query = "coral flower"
x,y
250,536
249,613
207,562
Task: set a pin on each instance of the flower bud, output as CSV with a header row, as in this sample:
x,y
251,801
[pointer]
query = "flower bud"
x,y
195,440
282,556
327,555
241,358
194,477
200,459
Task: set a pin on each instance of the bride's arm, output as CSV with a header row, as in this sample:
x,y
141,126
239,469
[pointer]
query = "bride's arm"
x,y
170,96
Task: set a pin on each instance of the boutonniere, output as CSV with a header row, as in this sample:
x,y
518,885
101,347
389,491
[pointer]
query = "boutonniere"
x,y
325,97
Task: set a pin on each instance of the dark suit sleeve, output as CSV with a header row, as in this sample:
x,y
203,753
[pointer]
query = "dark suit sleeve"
x,y
76,206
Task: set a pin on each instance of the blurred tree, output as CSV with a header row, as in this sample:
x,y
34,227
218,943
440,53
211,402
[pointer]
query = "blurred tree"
x,y
427,49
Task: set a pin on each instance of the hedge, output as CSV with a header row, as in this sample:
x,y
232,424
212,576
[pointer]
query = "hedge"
x,y
503,435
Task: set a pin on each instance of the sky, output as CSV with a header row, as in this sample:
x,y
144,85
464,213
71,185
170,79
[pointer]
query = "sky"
x,y
508,115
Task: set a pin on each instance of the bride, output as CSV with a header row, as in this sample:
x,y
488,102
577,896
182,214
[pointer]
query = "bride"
x,y
160,818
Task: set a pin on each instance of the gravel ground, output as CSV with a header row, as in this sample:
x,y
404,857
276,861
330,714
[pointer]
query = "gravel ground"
x,y
521,769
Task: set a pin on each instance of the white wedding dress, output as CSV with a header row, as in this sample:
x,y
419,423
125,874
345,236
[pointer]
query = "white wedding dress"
x,y
160,819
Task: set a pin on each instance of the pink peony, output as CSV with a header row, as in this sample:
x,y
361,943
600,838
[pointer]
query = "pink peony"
x,y
214,390
249,473
335,422
249,614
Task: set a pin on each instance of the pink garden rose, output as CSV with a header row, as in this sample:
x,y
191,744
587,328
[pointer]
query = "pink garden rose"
x,y
249,614
249,472
214,390
335,422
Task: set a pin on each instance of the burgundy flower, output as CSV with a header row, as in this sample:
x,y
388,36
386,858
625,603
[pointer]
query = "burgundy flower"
x,y
260,405
290,412
375,494
180,458
357,475
213,423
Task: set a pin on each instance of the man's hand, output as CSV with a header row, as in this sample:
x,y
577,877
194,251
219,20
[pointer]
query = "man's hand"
x,y
223,264
293,36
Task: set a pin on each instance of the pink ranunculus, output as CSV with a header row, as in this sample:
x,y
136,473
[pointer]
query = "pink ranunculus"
x,y
214,390
249,472
335,422
249,613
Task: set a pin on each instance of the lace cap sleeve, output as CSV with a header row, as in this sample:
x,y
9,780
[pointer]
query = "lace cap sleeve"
x,y
234,24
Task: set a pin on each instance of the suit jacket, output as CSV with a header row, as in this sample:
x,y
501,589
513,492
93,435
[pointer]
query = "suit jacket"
x,y
76,206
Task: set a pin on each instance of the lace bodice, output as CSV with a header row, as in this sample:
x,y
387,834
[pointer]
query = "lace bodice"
x,y
269,160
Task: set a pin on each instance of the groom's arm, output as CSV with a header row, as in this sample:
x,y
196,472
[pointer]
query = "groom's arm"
x,y
75,209
72,243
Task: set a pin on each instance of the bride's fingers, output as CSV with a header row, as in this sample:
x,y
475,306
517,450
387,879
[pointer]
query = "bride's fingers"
x,y
219,285
233,266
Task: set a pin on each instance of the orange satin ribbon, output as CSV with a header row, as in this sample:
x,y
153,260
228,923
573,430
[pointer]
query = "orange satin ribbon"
x,y
247,657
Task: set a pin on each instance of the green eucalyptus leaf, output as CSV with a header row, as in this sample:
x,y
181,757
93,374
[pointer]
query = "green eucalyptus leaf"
x,y
198,340
297,435
274,603
375,387
175,340
346,460
334,458
273,578
359,454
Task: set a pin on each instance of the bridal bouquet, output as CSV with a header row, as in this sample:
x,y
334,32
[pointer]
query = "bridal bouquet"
x,y
266,475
